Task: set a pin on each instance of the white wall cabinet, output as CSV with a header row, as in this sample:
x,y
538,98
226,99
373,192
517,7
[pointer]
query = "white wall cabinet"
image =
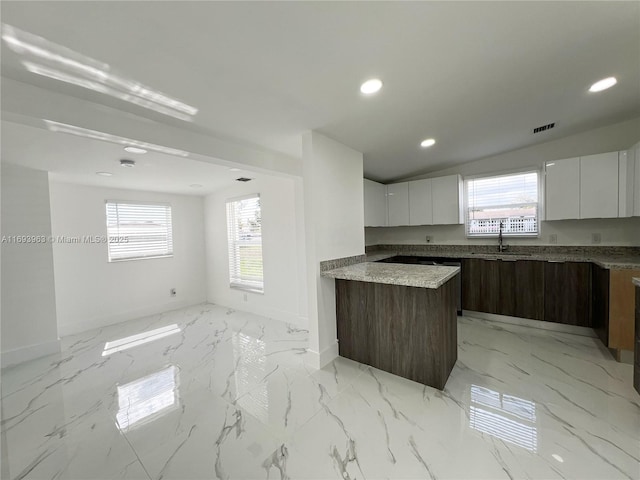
x,y
599,185
420,202
562,188
587,187
447,195
398,204
375,204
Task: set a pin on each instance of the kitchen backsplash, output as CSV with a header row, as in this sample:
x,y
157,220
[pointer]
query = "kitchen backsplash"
x,y
611,231
577,250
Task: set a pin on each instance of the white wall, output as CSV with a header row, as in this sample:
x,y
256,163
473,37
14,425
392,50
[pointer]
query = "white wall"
x,y
284,296
618,231
90,291
28,291
334,228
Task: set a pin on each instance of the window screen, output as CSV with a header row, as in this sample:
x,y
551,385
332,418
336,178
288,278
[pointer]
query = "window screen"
x,y
508,199
244,229
138,230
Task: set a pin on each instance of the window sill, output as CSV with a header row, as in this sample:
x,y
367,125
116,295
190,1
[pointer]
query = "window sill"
x,y
119,260
247,288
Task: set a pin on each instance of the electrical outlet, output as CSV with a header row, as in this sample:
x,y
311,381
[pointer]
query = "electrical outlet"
x,y
553,238
595,238
173,292
428,238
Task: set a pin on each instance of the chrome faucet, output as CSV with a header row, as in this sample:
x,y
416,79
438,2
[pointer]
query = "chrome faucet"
x,y
501,246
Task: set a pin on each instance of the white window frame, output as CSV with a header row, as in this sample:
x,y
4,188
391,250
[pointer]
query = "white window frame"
x,y
539,205
236,281
117,237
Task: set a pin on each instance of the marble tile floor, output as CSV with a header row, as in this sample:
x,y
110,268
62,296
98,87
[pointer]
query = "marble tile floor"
x,y
206,392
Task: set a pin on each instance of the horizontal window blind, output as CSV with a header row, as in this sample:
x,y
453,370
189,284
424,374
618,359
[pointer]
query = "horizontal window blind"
x,y
244,229
138,230
508,199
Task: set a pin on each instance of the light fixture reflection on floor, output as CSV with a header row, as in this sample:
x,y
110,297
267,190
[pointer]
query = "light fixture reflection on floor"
x,y
147,398
46,58
139,339
107,137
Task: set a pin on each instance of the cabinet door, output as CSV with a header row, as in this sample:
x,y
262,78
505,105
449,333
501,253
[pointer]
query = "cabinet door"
x,y
600,302
562,189
480,285
398,203
420,204
567,293
447,200
599,186
529,289
375,204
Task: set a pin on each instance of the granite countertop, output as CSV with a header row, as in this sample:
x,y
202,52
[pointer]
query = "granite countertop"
x,y
636,281
423,276
609,262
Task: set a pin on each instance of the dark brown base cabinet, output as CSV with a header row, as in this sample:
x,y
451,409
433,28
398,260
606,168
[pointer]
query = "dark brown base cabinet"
x,y
557,292
567,293
600,302
514,288
636,356
407,331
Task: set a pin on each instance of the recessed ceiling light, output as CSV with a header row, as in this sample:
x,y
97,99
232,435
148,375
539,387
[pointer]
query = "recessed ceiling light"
x,y
104,174
235,170
127,163
371,86
195,185
427,143
135,150
603,84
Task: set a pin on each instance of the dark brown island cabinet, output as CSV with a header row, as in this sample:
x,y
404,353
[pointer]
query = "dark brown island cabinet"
x,y
405,330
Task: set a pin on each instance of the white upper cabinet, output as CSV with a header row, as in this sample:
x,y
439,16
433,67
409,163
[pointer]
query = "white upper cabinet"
x,y
447,193
562,188
375,204
420,202
398,204
599,186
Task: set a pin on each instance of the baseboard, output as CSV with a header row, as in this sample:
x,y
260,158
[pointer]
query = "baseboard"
x,y
31,352
264,311
326,356
526,322
95,323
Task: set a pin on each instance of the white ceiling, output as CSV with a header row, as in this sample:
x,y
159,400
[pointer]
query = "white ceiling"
x,y
75,159
477,76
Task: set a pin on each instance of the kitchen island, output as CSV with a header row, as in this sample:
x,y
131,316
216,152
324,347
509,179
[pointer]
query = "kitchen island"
x,y
398,318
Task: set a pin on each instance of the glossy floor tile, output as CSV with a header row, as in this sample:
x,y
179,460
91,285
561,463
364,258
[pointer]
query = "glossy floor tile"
x,y
207,392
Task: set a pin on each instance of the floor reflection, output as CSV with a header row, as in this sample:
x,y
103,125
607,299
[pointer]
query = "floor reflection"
x,y
249,356
139,339
503,416
147,398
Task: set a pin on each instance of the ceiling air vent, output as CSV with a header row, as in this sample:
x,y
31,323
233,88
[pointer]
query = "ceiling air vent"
x,y
548,126
243,179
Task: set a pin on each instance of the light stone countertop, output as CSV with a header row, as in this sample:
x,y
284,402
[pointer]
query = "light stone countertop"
x,y
423,276
636,281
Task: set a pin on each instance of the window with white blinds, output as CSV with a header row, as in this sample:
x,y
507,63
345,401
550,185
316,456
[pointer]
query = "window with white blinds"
x,y
138,230
508,199
244,229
